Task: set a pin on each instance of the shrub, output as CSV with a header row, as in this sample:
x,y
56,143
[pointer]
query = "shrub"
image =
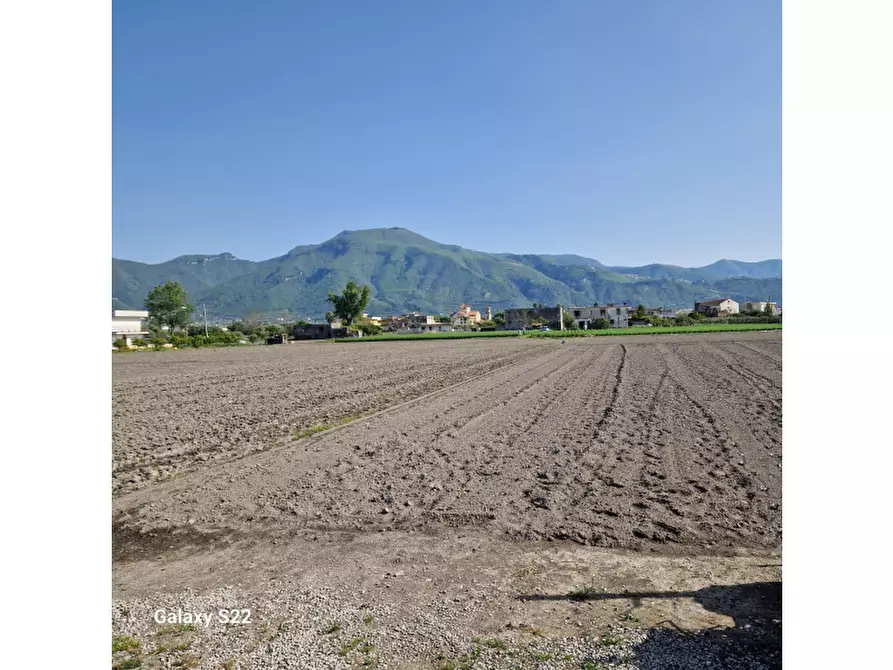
x,y
179,340
120,343
601,323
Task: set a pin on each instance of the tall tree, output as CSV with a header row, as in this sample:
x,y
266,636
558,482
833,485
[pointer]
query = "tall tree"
x,y
349,305
168,305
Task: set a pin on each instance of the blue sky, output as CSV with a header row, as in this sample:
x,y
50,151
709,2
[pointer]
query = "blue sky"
x,y
631,131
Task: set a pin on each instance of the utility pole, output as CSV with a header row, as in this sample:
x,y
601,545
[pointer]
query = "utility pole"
x,y
205,314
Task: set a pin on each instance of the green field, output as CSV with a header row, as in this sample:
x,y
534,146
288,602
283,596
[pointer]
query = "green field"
x,y
669,330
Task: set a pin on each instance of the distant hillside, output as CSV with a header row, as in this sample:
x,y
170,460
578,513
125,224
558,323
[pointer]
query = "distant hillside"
x,y
409,272
132,281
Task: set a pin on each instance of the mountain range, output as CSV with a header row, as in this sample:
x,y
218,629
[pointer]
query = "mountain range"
x,y
409,272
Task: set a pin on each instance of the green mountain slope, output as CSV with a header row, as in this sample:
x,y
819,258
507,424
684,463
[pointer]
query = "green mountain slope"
x,y
132,281
409,272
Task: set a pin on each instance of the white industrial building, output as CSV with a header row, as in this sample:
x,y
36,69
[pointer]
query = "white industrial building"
x,y
129,323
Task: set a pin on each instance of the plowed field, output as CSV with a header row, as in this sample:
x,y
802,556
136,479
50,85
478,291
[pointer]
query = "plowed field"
x,y
633,442
511,503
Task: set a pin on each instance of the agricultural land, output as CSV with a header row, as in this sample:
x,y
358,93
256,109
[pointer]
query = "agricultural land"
x,y
495,502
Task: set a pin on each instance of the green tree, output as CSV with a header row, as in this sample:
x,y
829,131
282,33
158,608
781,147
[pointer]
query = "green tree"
x,y
169,306
350,304
767,310
601,323
330,318
499,318
640,312
570,323
369,328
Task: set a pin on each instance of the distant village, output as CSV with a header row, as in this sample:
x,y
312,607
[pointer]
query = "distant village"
x,y
130,325
537,317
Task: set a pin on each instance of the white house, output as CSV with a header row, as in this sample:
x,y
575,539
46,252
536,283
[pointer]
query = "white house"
x,y
617,315
129,323
760,306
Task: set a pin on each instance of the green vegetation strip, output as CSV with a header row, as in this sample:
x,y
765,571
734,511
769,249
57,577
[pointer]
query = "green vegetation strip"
x,y
660,330
668,330
319,428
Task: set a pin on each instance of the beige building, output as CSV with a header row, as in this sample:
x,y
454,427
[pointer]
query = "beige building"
x,y
719,307
465,317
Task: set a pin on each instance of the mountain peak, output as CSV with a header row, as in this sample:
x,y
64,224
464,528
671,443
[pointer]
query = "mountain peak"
x,y
409,272
395,234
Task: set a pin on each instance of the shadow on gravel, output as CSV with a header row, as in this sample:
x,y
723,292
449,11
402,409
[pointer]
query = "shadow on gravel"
x,y
129,544
753,642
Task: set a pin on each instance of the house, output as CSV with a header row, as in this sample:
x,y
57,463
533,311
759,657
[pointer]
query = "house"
x,y
760,307
718,307
129,323
526,317
371,320
321,331
432,327
617,315
661,312
416,320
465,317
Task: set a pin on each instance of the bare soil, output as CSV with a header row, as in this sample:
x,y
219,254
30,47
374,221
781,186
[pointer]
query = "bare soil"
x,y
501,475
175,410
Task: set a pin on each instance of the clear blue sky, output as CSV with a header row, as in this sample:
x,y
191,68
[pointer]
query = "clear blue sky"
x,y
631,131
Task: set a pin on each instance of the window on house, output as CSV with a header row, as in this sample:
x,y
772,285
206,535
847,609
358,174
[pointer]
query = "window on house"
x,y
576,312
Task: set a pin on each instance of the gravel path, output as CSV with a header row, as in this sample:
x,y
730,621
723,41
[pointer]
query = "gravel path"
x,y
296,627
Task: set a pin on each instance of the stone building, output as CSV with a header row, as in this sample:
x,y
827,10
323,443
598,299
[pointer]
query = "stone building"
x,y
524,317
719,307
